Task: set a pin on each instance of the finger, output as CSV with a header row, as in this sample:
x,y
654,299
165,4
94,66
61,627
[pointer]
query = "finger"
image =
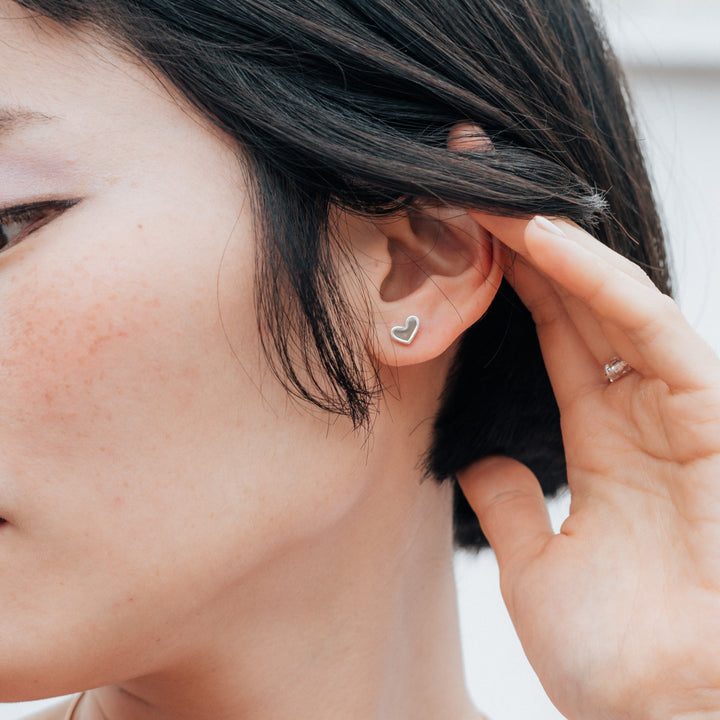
x,y
468,137
662,342
603,339
591,331
512,231
510,506
533,293
571,361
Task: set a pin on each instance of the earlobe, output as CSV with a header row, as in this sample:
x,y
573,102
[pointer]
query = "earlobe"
x,y
430,275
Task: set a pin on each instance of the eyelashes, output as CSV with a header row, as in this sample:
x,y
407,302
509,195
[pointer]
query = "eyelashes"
x,y
16,223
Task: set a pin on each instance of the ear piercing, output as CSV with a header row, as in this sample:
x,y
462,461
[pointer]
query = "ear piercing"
x,y
406,333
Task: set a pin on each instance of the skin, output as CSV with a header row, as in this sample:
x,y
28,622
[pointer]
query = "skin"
x,y
182,537
174,522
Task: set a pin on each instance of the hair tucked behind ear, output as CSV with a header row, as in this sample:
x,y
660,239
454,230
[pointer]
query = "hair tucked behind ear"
x,y
348,104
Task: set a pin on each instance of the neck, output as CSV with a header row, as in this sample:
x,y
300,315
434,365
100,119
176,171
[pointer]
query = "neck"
x,y
369,633
359,621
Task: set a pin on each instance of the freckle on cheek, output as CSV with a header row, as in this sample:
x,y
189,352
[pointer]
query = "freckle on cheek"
x,y
52,350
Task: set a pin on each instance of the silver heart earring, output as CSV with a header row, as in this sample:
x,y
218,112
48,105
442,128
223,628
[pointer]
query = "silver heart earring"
x,y
406,333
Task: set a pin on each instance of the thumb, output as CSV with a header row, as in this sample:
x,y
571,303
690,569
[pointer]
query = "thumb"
x,y
510,506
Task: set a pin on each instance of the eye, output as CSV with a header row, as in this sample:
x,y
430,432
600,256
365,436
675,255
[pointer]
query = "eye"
x,y
18,222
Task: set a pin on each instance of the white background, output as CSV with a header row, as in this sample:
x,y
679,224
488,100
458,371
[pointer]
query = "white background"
x,y
671,52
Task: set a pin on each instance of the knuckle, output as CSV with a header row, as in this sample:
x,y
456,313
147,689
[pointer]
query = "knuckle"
x,y
500,503
663,311
546,309
637,273
668,307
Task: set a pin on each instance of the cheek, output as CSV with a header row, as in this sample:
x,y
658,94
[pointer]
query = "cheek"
x,y
70,355
127,397
58,348
102,358
123,384
135,440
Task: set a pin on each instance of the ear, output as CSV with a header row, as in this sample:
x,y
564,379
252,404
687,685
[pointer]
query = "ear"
x,y
435,264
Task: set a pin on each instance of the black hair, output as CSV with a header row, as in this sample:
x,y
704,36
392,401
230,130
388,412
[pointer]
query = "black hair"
x,y
347,104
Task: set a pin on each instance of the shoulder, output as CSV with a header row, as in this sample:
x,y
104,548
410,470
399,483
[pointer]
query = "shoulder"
x,y
58,711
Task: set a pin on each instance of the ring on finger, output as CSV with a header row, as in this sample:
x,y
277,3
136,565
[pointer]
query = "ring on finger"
x,y
616,369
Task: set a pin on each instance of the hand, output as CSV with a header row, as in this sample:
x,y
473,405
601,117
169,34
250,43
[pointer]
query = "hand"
x,y
619,613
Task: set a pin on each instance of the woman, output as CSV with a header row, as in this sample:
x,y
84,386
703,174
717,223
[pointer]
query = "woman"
x,y
253,277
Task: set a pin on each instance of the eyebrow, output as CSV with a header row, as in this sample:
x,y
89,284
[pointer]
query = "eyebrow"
x,y
17,118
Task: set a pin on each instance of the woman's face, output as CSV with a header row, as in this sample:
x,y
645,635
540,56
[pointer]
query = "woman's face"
x,y
148,459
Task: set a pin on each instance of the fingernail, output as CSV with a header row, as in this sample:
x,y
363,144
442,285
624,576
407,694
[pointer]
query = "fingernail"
x,y
548,226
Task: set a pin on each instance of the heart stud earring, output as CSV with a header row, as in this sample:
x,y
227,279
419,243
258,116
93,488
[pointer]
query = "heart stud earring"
x,y
405,334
